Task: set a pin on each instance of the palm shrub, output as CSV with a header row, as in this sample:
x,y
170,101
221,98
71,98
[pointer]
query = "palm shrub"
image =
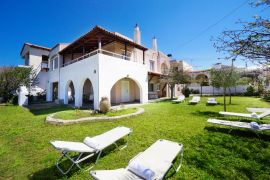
x,y
104,105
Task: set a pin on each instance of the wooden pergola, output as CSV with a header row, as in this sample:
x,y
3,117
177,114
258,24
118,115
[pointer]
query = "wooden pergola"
x,y
95,39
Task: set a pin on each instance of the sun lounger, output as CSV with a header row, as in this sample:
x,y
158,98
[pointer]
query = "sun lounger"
x,y
179,99
258,110
89,147
153,163
251,126
246,115
211,101
195,100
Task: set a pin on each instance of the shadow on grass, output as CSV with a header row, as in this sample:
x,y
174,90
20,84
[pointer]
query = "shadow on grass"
x,y
53,173
207,114
225,155
239,132
37,112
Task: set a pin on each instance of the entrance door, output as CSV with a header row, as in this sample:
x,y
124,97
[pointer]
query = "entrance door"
x,y
125,91
55,91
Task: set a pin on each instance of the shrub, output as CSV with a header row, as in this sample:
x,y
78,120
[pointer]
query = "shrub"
x,y
266,96
250,91
194,91
104,105
186,91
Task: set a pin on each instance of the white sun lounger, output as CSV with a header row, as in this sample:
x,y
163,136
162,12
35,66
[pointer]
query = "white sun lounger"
x,y
90,146
246,115
158,159
212,101
179,99
257,110
237,124
195,100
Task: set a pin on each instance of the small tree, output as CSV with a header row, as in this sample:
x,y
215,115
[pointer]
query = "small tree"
x,y
11,78
223,78
173,76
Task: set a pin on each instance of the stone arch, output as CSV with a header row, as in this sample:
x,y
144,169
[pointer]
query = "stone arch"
x,y
87,93
203,78
126,90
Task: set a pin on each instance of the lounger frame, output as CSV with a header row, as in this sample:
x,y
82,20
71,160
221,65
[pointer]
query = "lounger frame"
x,y
78,159
237,127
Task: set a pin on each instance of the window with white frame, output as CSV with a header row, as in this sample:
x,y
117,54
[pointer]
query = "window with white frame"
x,y
152,65
54,62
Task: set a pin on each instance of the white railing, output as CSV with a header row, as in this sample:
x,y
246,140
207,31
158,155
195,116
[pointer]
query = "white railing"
x,y
98,51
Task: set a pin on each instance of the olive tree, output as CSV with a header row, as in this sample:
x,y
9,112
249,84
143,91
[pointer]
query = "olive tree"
x,y
173,77
224,78
11,78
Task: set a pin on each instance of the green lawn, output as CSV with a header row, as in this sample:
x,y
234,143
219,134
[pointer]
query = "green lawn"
x,y
77,114
209,153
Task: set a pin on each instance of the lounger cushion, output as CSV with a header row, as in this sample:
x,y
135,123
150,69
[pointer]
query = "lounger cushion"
x,y
117,174
71,146
91,142
141,170
254,115
254,125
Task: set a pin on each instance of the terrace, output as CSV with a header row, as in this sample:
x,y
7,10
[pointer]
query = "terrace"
x,y
101,41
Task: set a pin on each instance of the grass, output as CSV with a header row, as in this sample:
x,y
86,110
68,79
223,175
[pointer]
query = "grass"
x,y
77,114
209,153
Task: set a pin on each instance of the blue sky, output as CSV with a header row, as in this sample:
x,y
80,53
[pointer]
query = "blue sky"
x,y
173,22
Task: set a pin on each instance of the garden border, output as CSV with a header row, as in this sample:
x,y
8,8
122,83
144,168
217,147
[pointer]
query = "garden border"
x,y
51,120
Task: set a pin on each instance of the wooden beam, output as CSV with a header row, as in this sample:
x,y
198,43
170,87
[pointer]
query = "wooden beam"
x,y
150,78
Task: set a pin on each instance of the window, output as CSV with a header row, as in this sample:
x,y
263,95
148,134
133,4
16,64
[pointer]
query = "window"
x,y
54,62
152,65
26,62
151,87
158,87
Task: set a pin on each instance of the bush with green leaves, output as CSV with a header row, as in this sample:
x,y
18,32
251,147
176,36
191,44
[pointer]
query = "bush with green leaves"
x,y
266,96
250,91
11,78
186,91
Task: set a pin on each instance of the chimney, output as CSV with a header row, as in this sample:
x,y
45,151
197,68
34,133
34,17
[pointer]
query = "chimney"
x,y
137,34
154,44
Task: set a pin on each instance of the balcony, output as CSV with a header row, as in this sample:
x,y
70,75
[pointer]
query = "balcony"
x,y
98,51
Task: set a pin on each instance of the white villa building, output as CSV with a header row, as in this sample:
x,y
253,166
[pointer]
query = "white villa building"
x,y
99,64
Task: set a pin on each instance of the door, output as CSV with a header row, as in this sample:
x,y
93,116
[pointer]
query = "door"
x,y
55,91
124,91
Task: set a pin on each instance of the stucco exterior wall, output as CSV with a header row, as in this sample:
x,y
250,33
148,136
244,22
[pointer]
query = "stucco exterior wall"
x,y
103,71
113,69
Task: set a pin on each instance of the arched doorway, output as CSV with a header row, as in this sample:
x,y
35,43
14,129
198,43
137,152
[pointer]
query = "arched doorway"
x,y
125,90
88,94
70,93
